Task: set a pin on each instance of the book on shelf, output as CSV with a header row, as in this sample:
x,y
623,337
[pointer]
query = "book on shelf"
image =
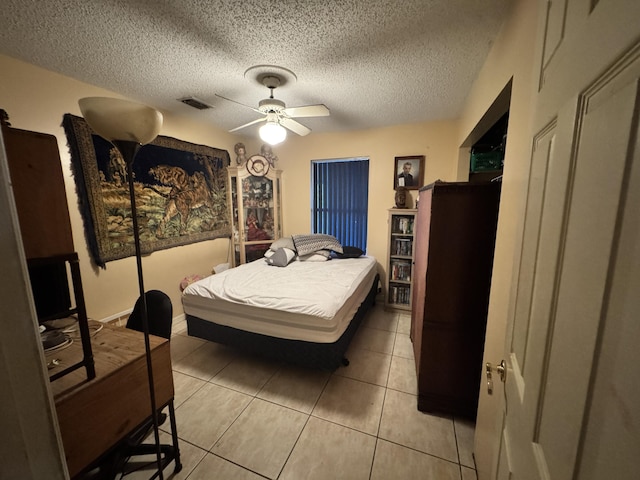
x,y
402,246
403,225
400,295
401,271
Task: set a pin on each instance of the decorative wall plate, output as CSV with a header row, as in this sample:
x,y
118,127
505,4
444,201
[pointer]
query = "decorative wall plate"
x,y
258,166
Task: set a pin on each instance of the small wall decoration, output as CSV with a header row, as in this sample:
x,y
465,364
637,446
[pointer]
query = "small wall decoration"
x,y
241,154
258,166
180,189
401,197
267,152
408,172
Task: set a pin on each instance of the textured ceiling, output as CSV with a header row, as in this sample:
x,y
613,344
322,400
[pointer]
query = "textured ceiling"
x,y
372,62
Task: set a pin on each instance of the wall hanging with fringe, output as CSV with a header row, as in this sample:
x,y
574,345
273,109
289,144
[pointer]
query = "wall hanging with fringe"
x,y
180,193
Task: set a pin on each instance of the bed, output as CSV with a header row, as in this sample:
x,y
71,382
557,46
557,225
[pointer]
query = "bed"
x,y
305,312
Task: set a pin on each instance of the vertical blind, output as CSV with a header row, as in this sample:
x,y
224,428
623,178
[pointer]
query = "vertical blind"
x,y
340,190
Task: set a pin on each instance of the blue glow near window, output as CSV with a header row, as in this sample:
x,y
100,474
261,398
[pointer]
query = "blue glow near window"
x,y
340,197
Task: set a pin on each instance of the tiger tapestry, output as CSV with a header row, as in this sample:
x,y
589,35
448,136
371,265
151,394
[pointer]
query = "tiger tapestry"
x,y
180,191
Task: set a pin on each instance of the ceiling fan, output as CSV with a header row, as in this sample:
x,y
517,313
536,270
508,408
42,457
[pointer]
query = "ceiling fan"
x,y
277,115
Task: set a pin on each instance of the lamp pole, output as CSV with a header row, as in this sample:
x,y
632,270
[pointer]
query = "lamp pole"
x,y
128,149
129,125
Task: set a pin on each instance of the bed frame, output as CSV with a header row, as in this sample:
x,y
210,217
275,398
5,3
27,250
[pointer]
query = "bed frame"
x,y
326,356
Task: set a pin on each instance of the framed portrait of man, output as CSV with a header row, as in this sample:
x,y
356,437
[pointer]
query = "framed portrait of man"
x,y
408,172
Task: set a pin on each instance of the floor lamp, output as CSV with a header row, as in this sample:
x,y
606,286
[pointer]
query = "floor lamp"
x,y
129,125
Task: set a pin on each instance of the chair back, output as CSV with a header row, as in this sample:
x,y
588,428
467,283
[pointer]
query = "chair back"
x,y
159,314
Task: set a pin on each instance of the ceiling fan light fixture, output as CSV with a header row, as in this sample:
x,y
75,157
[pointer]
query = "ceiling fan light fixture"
x,y
279,118
273,133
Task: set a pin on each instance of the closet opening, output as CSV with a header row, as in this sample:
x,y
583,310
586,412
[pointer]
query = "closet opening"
x,y
482,154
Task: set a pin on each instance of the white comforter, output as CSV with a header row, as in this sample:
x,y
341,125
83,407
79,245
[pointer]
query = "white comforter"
x,y
318,289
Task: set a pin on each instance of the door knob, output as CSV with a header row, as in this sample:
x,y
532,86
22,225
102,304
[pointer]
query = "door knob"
x,y
500,369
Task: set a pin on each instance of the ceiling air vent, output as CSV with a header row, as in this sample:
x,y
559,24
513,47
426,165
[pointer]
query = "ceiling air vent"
x,y
195,103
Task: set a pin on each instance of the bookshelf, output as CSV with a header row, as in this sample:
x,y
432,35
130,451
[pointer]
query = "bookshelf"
x,y
400,259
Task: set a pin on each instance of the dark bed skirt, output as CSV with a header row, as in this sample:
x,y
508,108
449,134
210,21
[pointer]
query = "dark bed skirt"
x,y
327,356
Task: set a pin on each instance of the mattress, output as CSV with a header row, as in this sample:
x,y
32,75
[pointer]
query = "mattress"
x,y
308,301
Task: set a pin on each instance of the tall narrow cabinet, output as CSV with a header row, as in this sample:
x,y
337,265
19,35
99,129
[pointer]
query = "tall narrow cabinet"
x,y
454,245
254,197
400,258
41,203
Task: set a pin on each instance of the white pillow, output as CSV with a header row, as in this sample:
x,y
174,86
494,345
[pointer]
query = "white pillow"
x,y
284,242
318,256
281,257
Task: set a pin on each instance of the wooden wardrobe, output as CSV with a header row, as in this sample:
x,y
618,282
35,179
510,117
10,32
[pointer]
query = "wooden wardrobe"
x,y
454,245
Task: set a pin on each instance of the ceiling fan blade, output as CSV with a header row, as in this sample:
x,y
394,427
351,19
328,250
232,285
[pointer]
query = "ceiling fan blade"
x,y
229,100
247,124
307,111
294,126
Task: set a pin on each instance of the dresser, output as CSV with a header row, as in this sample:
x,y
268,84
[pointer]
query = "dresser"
x,y
453,259
96,414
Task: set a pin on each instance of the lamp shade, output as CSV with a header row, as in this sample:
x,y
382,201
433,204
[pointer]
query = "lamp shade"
x,y
272,132
117,119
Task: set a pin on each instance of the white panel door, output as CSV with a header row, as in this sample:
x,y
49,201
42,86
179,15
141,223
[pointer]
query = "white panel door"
x,y
577,217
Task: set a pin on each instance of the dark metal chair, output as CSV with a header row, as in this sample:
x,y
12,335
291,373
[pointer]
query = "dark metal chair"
x,y
160,318
159,313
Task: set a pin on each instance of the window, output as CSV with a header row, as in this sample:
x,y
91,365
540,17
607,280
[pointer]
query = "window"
x,y
340,195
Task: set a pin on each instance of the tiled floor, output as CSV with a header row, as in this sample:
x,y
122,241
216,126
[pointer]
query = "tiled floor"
x,y
240,417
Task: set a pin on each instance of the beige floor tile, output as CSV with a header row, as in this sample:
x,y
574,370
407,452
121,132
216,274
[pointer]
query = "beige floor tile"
x,y
246,374
351,403
184,386
179,327
213,467
367,366
190,456
378,318
395,461
468,473
252,438
403,346
206,415
183,345
465,432
402,375
404,424
374,339
205,362
294,387
262,438
404,323
329,451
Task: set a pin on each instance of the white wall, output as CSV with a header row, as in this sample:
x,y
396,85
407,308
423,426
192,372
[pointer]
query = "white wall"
x,y
37,99
434,140
510,59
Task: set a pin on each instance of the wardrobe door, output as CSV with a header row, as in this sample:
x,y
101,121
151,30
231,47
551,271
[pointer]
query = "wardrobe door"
x,y
421,255
454,256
